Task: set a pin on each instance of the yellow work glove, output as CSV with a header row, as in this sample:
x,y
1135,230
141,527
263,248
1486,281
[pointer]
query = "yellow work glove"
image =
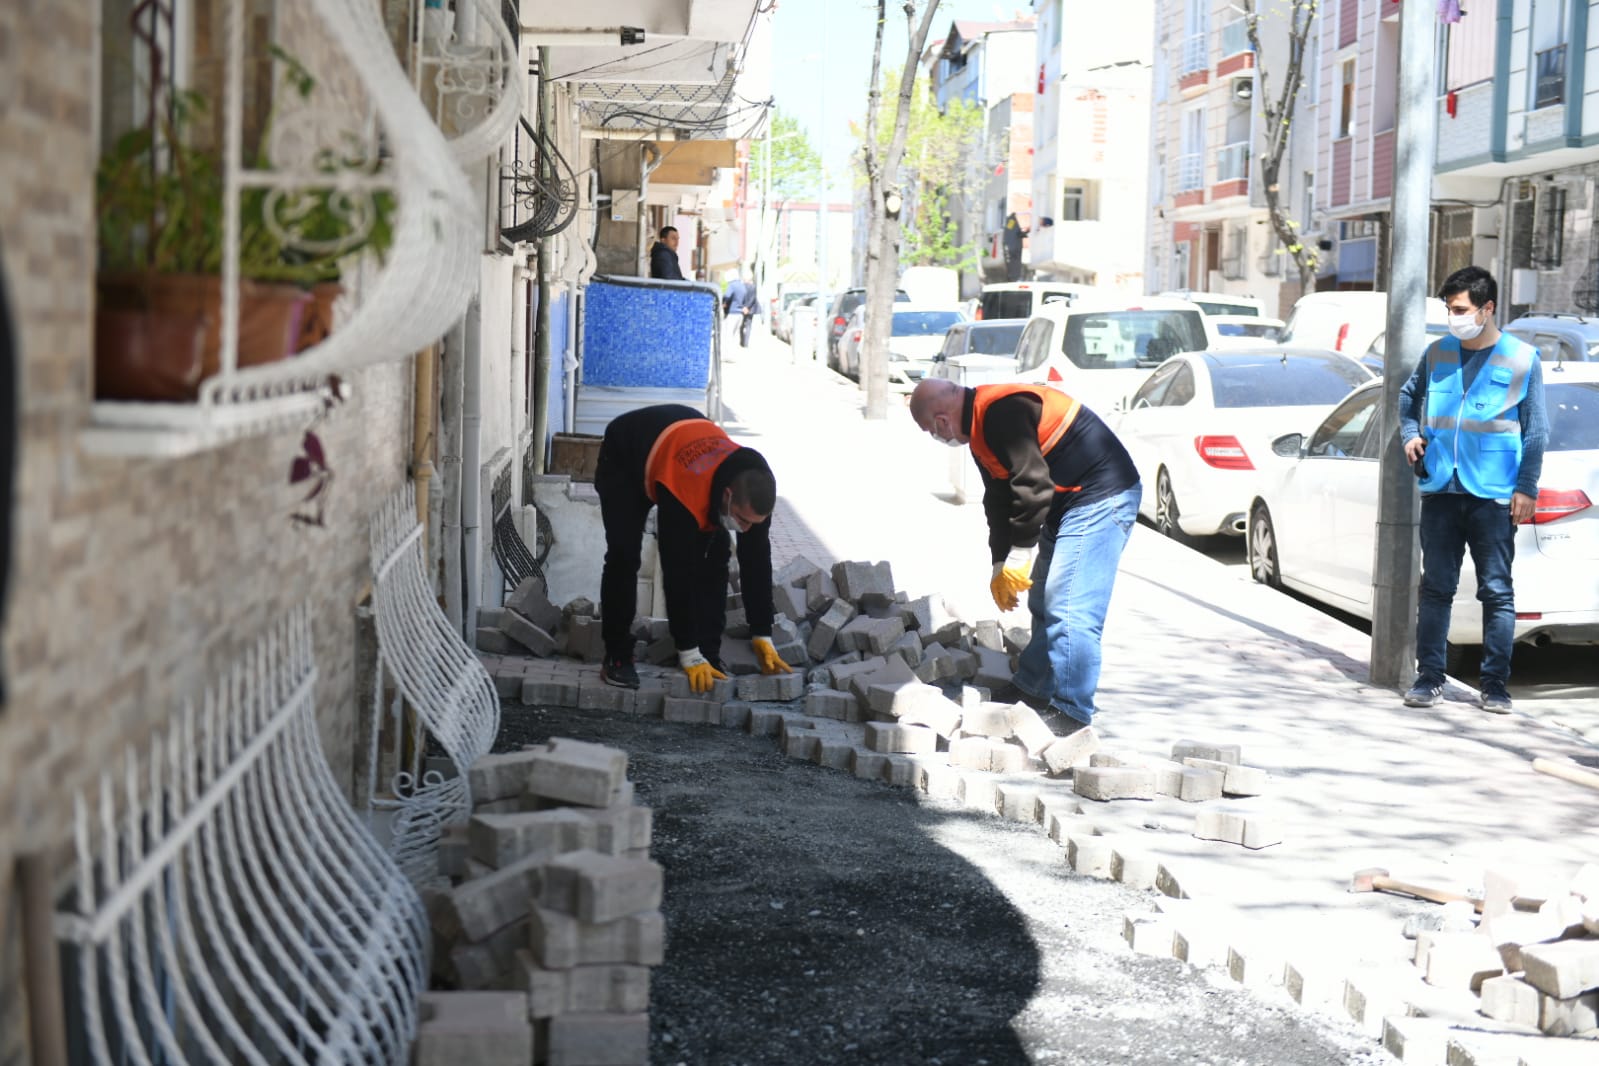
x,y
1011,578
701,674
766,655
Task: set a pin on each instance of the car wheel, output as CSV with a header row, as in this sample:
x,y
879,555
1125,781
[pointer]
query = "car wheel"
x,y
1166,513
1263,566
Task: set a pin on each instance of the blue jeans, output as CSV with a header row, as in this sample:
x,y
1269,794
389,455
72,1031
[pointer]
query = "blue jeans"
x,y
1072,580
1451,522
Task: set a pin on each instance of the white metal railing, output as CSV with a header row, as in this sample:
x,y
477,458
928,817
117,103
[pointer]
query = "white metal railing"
x,y
449,694
1195,56
1190,171
1232,162
228,905
1234,38
389,150
464,63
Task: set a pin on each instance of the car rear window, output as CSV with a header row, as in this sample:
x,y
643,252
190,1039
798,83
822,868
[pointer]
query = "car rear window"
x,y
1573,416
1007,304
1246,329
923,323
1126,340
1275,381
1211,308
995,340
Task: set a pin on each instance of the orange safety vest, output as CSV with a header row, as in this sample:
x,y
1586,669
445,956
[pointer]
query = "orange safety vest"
x,y
1060,411
684,458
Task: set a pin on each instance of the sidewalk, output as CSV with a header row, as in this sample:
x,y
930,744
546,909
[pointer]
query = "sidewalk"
x,y
1193,652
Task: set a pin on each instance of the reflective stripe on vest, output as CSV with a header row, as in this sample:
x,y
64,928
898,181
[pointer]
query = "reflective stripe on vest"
x,y
1475,433
684,458
1060,411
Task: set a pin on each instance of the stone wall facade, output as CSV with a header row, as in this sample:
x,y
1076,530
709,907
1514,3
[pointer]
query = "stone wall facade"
x,y
136,582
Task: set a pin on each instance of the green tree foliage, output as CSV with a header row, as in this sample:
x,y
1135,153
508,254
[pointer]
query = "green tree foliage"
x,y
796,164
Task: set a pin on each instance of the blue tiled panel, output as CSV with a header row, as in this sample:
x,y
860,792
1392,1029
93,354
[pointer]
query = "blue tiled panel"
x,y
649,336
555,405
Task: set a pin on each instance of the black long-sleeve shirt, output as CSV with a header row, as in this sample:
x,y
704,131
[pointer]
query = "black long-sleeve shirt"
x,y
1088,463
664,263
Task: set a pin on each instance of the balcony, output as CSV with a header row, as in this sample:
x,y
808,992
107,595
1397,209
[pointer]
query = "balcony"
x,y
1232,171
1550,73
1234,53
1190,180
1193,65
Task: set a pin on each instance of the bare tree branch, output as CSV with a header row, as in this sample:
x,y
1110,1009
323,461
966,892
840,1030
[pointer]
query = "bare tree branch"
x,y
1277,113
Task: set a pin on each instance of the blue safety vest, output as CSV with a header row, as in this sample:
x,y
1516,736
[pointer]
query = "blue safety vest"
x,y
1475,433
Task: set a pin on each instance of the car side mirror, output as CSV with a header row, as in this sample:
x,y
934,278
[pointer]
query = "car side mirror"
x,y
1289,445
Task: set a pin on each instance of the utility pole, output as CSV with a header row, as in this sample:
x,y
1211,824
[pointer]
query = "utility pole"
x,y
1395,570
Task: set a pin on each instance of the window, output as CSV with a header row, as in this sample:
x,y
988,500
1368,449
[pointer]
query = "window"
x,y
1232,260
1074,203
1273,381
1573,416
1309,209
1034,346
1126,340
1548,44
1182,388
1149,394
1338,436
1346,100
1549,88
1549,232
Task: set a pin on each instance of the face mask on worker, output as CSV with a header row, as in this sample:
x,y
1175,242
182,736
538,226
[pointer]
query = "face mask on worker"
x,y
951,441
1465,327
729,523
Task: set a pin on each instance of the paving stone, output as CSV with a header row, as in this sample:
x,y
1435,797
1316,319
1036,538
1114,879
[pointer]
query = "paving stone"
x,y
866,584
1168,776
490,964
531,600
893,738
771,688
835,753
978,792
1028,728
993,669
1090,856
1508,998
497,777
797,571
509,805
735,715
559,940
1069,751
970,753
1185,749
1017,803
482,1028
595,887
820,591
738,659
1006,756
899,771
1239,780
494,642
599,1040
584,640
1457,960
452,851
596,695
1236,824
987,720
825,631
692,711
1199,784
649,701
801,745
522,631
829,703
858,678
1255,964
870,635
1106,783
550,692
935,665
936,778
1199,941
909,648
476,908
987,634
499,840
1564,969
1468,1047
786,599
1568,1017
576,771
677,687
793,653
901,699
1148,934
592,989
868,765
508,685
1132,867
940,714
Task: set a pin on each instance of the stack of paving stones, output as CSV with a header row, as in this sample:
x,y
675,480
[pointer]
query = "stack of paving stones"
x,y
546,918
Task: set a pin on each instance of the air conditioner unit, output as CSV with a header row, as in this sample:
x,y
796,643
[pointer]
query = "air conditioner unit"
x,y
1244,88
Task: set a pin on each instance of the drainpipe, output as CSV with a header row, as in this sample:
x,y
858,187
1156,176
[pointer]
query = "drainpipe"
x,y
519,350
423,408
539,416
450,460
648,160
471,465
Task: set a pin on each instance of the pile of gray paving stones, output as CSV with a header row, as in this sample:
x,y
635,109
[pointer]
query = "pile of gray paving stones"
x,y
546,919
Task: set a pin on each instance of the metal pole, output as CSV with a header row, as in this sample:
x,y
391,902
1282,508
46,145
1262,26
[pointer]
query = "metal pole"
x,y
1396,568
823,326
539,417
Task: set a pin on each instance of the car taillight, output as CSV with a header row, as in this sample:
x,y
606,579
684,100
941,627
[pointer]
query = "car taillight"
x,y
856,336
1556,503
979,315
1223,453
839,322
1343,335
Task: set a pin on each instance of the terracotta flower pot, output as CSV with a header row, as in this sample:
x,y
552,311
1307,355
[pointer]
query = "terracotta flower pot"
x,y
317,322
147,355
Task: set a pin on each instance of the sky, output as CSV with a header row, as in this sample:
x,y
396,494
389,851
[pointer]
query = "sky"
x,y
822,60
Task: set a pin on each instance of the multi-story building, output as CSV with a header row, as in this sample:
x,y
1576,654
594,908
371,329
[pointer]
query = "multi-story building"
x,y
1091,144
1209,228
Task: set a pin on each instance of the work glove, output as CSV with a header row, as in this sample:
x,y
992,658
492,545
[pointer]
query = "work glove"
x,y
1011,577
766,655
701,674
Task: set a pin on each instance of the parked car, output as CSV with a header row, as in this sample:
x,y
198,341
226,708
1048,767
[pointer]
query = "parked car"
x,y
1200,428
1379,344
844,304
1233,331
1221,303
1314,528
781,308
1559,337
914,337
1101,350
989,337
1022,299
1346,321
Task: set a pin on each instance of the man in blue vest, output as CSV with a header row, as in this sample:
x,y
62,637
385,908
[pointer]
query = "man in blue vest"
x,y
1472,422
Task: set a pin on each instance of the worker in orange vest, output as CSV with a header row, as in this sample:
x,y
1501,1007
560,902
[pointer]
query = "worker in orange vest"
x,y
705,487
1054,477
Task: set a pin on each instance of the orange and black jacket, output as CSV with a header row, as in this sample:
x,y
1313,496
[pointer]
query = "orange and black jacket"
x,y
684,463
1040,452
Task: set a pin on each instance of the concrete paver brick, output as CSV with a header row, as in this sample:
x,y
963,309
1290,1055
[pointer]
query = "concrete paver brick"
x,y
491,962
508,685
1168,776
1568,1017
970,753
867,584
1132,867
868,765
819,592
1028,728
497,777
825,631
579,772
649,700
479,907
599,1040
560,941
1090,856
893,738
1017,803
491,640
677,686
1457,960
935,777
531,600
596,695
738,660
1199,940
836,754
620,830
1235,823
1199,784
988,720
800,745
1415,1039
549,692
940,714
453,851
595,887
866,634
909,648
1069,751
1193,749
830,703
735,715
797,571
500,839
483,1028
1006,756
1313,982
1106,783
788,600
1508,998
771,688
509,805
592,989
1148,934
583,639
528,635
1255,964
899,771
1239,780
1563,969
987,634
1467,1047
692,711
993,669
978,792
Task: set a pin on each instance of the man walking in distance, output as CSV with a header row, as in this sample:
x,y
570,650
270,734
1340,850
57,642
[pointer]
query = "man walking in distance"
x,y
1054,475
705,487
748,304
663,256
1472,421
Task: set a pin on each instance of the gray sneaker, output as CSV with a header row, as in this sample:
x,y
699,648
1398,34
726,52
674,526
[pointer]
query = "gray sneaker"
x,y
1495,699
1424,693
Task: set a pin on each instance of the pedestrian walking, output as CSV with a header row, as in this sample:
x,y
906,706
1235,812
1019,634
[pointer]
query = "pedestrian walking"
x,y
1472,422
663,256
1054,477
704,488
749,306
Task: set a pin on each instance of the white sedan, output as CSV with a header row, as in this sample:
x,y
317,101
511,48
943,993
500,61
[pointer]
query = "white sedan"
x,y
1315,529
1200,428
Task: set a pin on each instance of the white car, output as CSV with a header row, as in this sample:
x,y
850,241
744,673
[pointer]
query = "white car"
x,y
914,337
1200,429
1221,304
1315,529
1347,321
1239,331
1100,350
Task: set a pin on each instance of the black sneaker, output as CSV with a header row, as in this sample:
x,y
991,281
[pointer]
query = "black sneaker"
x,y
1495,699
619,673
1060,723
1424,693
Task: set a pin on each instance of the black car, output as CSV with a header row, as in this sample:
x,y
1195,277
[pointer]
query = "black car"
x,y
844,304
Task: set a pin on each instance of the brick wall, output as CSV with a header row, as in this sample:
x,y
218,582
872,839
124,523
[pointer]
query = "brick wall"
x,y
136,581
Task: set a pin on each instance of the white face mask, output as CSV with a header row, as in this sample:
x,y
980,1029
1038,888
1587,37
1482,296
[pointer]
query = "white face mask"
x,y
1465,327
730,523
950,441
